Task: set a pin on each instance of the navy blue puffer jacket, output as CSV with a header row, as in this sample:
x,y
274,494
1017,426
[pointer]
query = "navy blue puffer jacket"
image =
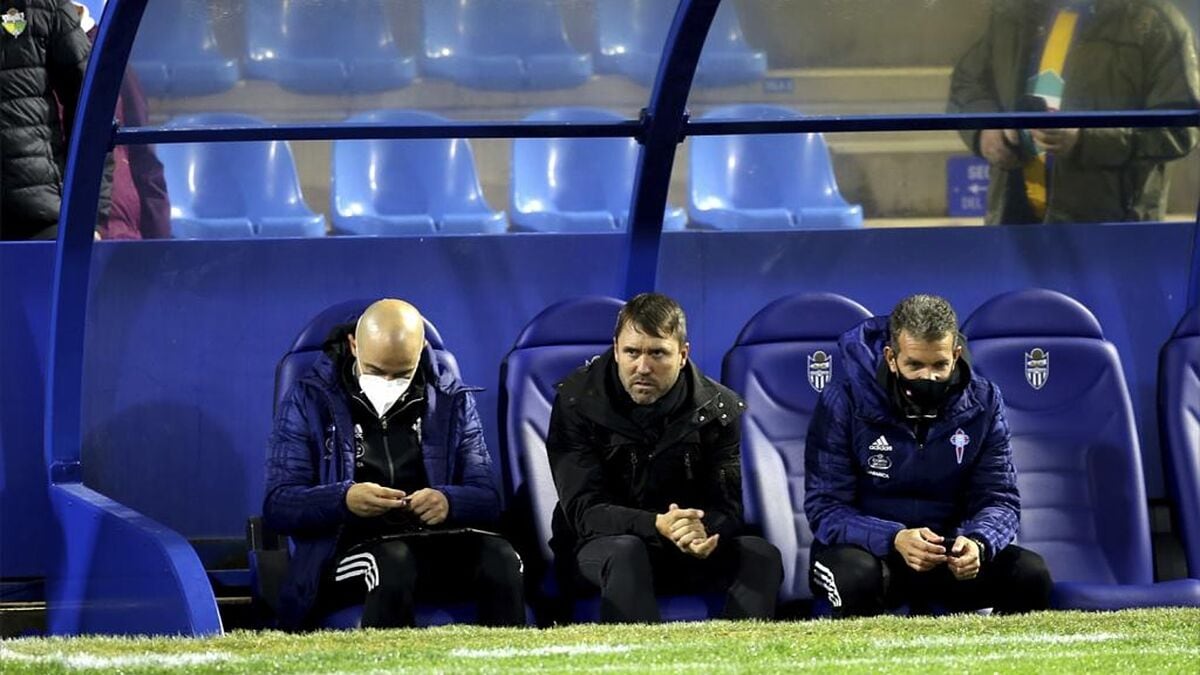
x,y
867,477
310,466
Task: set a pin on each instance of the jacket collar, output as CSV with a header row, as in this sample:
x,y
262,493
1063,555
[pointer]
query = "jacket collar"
x,y
707,402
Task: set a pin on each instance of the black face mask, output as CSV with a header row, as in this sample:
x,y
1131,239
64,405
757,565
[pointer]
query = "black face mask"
x,y
926,395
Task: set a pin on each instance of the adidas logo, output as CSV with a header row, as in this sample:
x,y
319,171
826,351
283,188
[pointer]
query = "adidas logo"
x,y
881,445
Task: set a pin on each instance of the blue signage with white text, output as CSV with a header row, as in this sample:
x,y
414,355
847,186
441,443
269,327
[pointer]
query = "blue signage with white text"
x,y
966,186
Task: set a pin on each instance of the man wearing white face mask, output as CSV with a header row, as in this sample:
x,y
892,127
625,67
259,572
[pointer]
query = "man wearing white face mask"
x,y
401,473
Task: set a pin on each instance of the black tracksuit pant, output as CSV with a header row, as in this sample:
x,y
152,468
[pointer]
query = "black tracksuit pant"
x,y
857,583
388,575
629,573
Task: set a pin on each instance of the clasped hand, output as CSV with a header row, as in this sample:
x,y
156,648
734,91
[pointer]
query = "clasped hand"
x,y
684,528
923,550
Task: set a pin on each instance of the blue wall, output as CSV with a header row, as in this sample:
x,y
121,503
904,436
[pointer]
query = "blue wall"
x,y
183,337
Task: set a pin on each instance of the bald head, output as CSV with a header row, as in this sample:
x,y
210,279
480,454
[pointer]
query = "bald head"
x,y
388,339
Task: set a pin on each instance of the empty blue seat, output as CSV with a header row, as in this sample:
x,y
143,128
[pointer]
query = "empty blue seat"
x,y
765,181
781,362
231,190
576,184
327,47
424,186
632,33
1179,430
175,52
508,45
554,343
1075,450
269,553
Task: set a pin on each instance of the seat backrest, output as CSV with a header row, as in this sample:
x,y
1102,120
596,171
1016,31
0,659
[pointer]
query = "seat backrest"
x,y
624,26
229,180
1075,450
756,171
573,174
173,30
330,28
1179,429
781,362
421,176
493,27
554,343
307,346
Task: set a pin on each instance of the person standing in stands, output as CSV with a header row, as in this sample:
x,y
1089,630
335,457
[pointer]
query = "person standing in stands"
x,y
139,208
910,489
45,55
1079,55
645,452
378,470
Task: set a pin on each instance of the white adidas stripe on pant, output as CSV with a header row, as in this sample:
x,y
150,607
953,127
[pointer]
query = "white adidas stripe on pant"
x,y
825,580
359,564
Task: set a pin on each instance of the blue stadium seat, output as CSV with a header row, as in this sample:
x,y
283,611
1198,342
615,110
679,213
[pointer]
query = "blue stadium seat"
x,y
327,47
576,184
631,35
766,181
269,553
382,187
782,360
1075,449
1179,429
509,45
556,342
232,190
175,52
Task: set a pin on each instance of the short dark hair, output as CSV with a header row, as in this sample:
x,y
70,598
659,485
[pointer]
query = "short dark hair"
x,y
928,318
653,314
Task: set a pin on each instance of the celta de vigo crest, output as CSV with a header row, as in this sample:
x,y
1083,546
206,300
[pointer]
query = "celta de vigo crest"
x,y
1037,367
820,369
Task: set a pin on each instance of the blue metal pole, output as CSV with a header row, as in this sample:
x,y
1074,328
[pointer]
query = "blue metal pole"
x,y
91,139
664,121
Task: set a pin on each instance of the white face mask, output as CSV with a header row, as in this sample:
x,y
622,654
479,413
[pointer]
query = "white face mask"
x,y
382,392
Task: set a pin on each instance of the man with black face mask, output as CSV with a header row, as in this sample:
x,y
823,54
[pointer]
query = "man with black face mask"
x,y
909,485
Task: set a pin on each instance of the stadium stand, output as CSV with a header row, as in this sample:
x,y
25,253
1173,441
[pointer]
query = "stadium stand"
x,y
631,35
425,186
576,184
1075,450
176,53
230,190
764,182
330,47
509,45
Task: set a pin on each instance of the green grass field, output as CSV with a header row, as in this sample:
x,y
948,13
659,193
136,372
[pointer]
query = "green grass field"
x,y
1158,641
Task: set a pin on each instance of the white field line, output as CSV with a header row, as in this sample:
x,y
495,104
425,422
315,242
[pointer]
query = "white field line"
x,y
791,664
84,660
983,640
568,650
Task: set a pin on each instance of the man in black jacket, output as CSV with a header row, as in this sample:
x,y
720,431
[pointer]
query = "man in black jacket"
x,y
45,54
645,453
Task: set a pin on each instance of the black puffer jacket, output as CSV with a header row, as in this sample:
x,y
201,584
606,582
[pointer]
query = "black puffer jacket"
x,y
612,481
44,58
